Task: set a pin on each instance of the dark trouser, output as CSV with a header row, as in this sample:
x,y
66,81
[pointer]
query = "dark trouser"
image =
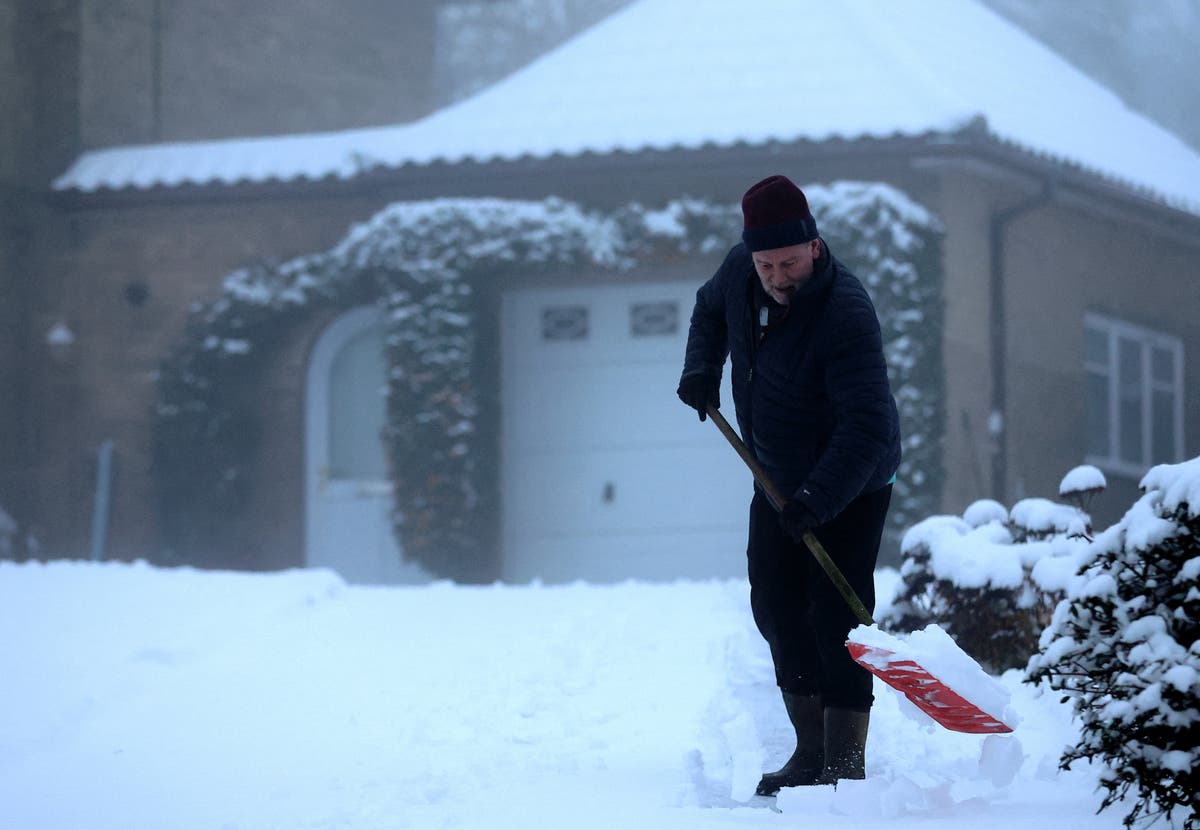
x,y
798,609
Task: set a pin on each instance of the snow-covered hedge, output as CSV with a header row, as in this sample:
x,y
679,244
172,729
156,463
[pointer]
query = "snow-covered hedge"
x,y
423,262
992,577
1125,647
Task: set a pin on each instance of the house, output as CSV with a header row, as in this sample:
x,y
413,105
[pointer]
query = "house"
x,y
1071,228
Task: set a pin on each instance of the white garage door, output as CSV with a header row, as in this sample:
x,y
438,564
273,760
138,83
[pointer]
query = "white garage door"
x,y
607,476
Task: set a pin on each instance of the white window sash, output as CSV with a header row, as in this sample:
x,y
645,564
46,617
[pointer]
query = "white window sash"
x,y
1147,340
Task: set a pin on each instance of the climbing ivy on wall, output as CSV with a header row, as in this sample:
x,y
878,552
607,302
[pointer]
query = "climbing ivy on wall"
x,y
894,247
423,263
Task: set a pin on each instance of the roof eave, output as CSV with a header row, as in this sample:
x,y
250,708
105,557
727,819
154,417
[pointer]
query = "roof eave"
x,y
1074,182
443,178
460,173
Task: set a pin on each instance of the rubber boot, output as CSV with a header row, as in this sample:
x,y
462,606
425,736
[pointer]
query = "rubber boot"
x,y
804,767
845,745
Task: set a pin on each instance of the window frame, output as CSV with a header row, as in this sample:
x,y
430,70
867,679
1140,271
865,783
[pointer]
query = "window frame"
x,y
1147,340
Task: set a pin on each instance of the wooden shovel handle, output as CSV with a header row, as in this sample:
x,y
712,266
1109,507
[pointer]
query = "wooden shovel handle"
x,y
779,500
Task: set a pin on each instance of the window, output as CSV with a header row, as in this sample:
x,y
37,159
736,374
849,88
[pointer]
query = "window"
x,y
358,408
1134,395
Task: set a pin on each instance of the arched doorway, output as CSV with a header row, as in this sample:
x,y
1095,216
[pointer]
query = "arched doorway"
x,y
349,494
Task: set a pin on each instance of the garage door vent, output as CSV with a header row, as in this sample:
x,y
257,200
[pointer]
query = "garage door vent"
x,y
568,322
654,319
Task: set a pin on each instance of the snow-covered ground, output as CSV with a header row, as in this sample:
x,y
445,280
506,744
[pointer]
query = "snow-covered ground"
x,y
134,697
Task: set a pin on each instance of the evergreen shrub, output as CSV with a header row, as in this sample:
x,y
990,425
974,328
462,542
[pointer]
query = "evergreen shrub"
x,y
992,577
1124,648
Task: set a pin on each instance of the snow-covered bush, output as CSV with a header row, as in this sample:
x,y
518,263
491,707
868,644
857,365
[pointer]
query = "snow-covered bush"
x,y
425,263
992,577
1124,645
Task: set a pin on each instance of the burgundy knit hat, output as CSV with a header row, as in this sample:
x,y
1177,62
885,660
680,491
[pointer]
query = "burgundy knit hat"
x,y
776,215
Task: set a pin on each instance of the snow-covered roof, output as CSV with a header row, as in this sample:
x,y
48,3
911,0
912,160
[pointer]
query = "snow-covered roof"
x,y
665,74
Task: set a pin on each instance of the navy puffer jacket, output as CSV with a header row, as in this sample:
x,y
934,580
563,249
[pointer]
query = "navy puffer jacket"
x,y
812,397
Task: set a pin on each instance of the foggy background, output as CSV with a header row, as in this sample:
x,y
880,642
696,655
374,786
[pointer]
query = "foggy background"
x,y
1146,52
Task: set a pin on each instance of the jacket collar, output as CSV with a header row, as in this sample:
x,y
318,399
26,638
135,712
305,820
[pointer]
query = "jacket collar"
x,y
821,279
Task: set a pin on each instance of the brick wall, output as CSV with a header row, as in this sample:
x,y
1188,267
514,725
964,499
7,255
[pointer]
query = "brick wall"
x,y
178,70
123,281
117,56
1064,262
1061,260
37,135
965,204
77,74
12,140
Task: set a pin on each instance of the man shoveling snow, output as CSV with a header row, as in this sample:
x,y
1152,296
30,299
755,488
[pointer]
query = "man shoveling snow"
x,y
811,393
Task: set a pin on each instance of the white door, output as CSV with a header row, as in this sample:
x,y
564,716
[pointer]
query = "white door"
x,y
349,494
607,476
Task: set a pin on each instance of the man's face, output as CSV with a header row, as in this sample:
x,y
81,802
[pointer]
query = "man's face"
x,y
783,270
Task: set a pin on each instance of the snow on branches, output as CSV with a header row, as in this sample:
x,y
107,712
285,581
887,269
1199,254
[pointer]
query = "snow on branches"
x,y
1124,646
990,578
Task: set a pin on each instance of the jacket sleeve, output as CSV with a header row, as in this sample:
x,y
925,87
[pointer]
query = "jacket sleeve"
x,y
708,335
857,384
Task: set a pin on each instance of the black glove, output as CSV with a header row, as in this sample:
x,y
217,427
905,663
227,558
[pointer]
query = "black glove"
x,y
796,518
698,390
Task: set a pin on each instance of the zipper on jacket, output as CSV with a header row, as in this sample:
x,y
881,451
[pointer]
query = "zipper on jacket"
x,y
758,333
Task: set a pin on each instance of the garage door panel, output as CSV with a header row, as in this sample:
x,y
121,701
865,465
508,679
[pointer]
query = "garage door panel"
x,y
606,406
606,475
614,491
569,327
715,554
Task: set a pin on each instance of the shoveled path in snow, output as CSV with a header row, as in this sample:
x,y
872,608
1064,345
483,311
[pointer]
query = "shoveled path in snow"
x,y
141,698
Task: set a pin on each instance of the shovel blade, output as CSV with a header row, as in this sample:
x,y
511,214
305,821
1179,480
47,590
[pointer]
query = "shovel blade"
x,y
930,695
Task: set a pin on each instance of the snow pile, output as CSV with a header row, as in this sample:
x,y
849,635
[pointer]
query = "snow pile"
x,y
1125,647
979,557
1083,479
1175,487
983,512
932,649
135,699
1042,518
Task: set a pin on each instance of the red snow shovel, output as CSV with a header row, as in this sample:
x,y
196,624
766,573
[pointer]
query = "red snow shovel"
x,y
930,695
